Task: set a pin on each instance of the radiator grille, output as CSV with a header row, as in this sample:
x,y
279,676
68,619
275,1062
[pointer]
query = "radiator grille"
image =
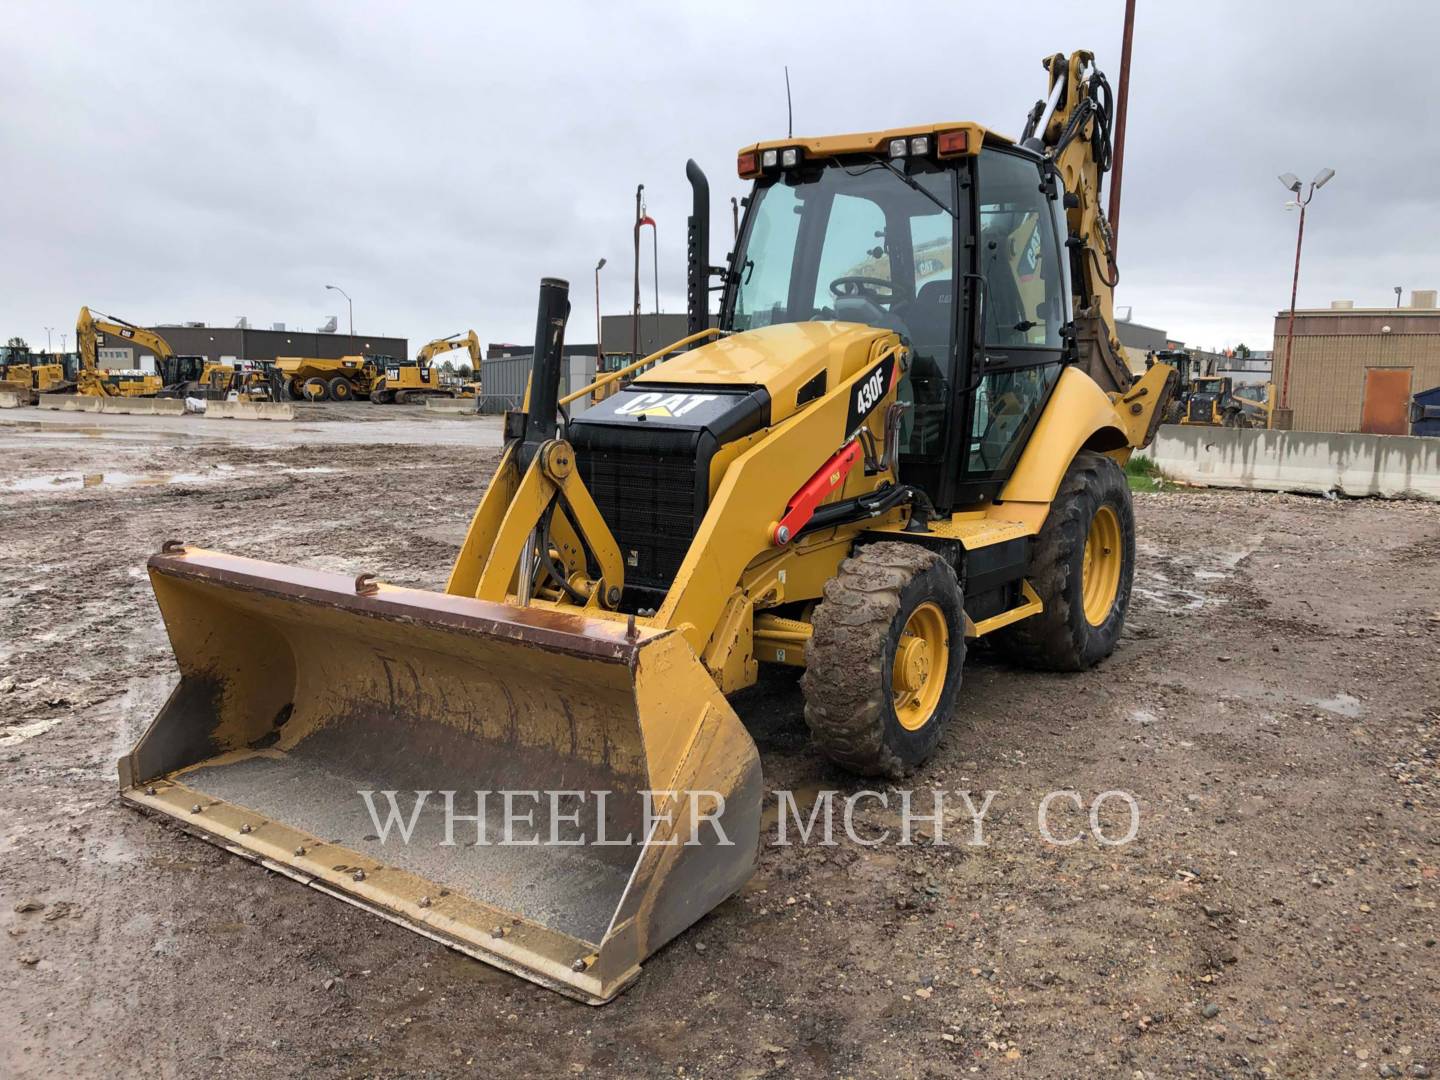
x,y
648,500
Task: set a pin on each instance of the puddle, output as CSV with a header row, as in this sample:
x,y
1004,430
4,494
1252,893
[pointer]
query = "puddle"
x,y
1341,705
1179,585
75,481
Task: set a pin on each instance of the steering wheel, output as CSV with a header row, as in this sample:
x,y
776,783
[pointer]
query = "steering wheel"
x,y
857,287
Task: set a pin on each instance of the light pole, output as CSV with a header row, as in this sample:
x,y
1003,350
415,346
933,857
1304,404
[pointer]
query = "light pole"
x,y
348,301
1397,297
599,347
1292,183
48,329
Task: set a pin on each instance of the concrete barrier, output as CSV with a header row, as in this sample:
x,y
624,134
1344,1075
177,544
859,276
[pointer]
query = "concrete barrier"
x,y
118,405
71,402
9,399
450,405
1389,466
249,410
144,406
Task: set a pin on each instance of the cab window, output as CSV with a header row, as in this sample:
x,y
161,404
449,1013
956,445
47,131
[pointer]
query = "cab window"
x,y
1024,303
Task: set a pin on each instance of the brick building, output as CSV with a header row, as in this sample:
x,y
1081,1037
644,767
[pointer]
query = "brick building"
x,y
1356,369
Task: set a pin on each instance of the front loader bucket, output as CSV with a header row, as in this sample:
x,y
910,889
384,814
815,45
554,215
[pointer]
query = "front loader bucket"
x,y
350,737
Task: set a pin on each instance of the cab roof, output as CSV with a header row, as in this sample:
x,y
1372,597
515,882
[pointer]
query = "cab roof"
x,y
873,142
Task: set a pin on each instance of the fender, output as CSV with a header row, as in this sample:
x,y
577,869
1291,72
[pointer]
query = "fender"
x,y
1078,412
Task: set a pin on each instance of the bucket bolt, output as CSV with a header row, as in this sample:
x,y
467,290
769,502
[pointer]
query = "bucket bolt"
x,y
150,790
359,875
300,851
424,901
195,809
245,828
497,932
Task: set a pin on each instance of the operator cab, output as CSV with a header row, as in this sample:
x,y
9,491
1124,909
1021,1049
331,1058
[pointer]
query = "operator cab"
x,y
950,237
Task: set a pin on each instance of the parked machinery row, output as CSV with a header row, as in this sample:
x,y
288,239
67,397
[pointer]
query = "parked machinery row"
x,y
384,380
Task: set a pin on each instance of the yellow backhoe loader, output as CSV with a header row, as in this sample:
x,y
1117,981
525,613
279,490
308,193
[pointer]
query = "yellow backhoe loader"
x,y
94,381
404,383
855,473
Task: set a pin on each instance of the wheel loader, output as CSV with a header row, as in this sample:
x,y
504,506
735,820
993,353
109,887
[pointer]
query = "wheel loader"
x,y
905,435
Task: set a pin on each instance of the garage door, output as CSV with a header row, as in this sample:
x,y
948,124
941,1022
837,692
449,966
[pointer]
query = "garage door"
x,y
1386,408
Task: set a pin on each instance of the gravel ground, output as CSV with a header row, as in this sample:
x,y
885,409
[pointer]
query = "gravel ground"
x,y
1274,708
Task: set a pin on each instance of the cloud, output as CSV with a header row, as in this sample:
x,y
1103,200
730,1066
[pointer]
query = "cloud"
x,y
171,161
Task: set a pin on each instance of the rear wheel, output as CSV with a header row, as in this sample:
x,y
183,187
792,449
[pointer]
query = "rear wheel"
x,y
341,389
315,390
883,666
1082,569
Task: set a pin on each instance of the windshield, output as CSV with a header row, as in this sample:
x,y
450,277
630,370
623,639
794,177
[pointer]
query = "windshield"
x,y
856,243
852,242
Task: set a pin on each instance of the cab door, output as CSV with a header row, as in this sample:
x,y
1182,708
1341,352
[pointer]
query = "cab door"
x,y
1024,309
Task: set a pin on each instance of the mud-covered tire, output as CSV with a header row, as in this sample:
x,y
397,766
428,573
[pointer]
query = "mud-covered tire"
x,y
1062,637
850,702
292,390
315,390
382,397
341,389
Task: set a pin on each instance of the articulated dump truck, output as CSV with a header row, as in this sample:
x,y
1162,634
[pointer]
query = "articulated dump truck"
x,y
906,433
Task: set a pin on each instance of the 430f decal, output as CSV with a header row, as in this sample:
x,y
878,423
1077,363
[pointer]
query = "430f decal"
x,y
867,393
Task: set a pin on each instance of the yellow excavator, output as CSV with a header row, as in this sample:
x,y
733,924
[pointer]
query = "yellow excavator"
x,y
94,381
857,473
404,383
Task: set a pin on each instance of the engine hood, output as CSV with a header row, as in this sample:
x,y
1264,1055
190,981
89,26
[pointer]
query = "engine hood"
x,y
794,363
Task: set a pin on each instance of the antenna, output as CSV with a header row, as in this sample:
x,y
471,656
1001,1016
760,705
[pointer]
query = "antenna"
x,y
789,109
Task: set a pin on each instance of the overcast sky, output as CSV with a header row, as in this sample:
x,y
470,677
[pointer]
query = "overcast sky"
x,y
202,161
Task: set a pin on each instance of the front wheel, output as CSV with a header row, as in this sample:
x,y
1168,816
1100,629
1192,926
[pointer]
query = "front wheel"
x,y
1082,569
883,667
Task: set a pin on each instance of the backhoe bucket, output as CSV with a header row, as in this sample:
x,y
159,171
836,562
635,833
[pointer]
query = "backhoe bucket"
x,y
478,772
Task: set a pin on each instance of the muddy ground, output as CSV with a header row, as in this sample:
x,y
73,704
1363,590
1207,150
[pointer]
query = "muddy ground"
x,y
1274,708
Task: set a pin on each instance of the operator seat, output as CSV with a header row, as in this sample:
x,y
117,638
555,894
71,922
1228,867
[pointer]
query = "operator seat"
x,y
1004,308
927,327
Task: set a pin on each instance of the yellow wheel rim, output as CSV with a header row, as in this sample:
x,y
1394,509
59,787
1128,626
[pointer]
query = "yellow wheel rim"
x,y
1103,562
922,660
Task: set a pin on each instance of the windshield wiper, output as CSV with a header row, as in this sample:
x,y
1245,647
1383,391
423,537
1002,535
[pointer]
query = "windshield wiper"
x,y
915,185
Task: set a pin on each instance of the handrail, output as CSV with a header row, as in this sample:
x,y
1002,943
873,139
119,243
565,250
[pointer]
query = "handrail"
x,y
611,376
